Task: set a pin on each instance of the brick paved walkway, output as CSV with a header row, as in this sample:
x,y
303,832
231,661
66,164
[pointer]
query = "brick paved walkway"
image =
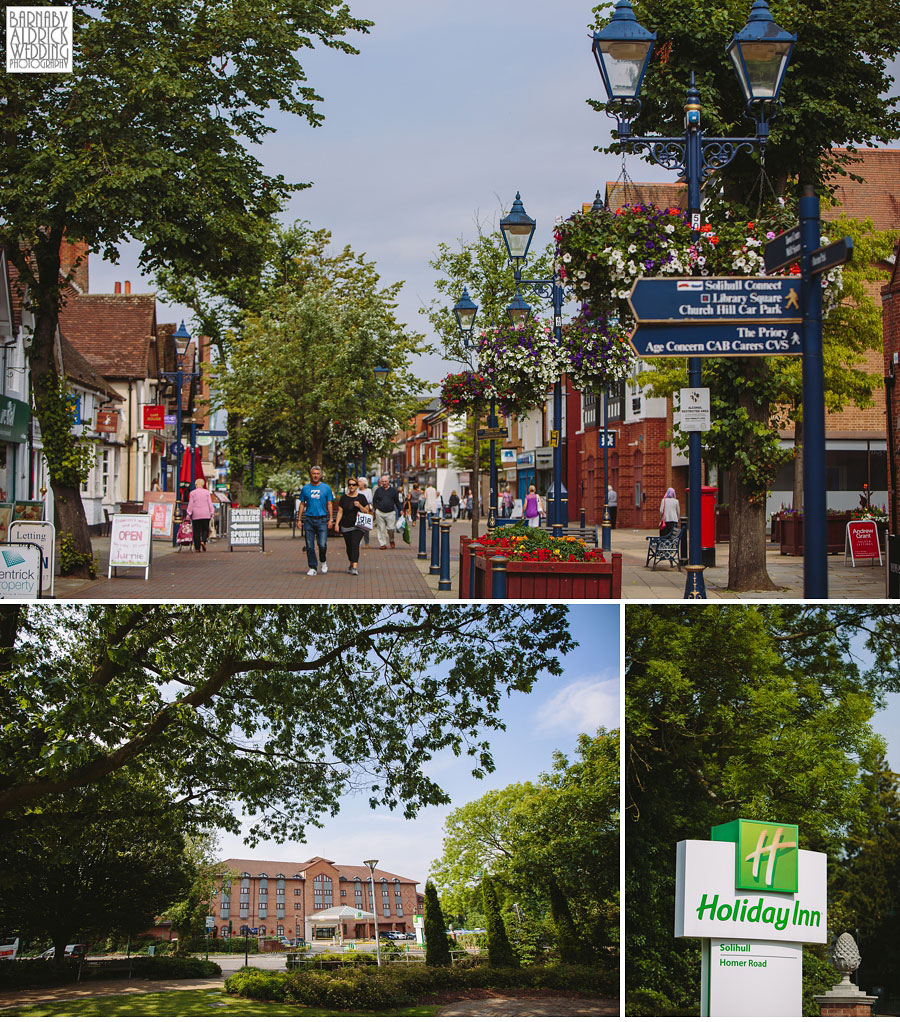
x,y
279,574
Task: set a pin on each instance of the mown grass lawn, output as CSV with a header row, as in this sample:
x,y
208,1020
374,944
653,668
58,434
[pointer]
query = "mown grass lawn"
x,y
187,1002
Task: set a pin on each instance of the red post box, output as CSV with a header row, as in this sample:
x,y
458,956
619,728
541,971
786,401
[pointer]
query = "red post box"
x,y
708,499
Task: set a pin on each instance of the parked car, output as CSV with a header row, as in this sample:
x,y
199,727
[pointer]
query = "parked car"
x,y
72,951
397,935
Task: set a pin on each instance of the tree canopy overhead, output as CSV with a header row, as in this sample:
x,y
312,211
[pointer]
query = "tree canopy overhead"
x,y
150,139
271,712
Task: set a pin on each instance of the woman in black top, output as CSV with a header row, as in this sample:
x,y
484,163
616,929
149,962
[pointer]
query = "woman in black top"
x,y
349,506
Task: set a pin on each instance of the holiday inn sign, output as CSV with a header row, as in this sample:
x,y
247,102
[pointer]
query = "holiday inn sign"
x,y
753,897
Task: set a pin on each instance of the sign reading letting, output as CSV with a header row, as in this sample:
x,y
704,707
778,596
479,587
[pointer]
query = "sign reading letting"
x,y
43,535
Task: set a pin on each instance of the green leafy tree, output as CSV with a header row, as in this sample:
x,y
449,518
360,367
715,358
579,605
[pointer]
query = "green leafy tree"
x,y
732,711
553,846
305,354
500,951
273,712
845,107
437,947
151,138
188,914
94,862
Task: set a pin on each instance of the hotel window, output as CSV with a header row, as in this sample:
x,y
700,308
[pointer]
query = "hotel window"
x,y
279,930
296,890
296,906
323,891
264,905
226,905
245,905
357,894
279,905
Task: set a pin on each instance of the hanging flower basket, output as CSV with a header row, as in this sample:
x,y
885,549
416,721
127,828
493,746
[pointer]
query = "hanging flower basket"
x,y
520,363
597,353
348,439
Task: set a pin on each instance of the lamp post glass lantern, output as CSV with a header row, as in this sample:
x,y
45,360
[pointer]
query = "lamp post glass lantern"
x,y
760,53
518,228
372,863
182,340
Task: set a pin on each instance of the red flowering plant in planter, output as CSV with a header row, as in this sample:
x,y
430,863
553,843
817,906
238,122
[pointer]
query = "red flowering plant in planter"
x,y
522,543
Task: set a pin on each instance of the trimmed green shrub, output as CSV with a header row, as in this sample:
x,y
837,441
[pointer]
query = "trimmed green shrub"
x,y
173,968
500,952
257,984
437,950
372,989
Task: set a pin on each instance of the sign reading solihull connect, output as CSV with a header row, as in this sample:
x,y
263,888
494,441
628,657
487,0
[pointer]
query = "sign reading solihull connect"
x,y
754,897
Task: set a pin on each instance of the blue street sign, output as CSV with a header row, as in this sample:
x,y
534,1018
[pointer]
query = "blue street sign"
x,y
607,438
783,250
657,340
719,299
829,256
177,449
212,432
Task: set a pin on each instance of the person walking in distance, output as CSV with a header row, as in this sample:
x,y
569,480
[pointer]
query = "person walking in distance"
x,y
612,502
533,507
414,501
349,506
316,501
200,510
432,501
669,512
453,504
386,502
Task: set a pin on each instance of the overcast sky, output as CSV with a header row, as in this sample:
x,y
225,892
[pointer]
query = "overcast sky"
x,y
551,717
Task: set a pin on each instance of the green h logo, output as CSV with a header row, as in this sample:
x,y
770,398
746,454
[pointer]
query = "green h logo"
x,y
766,854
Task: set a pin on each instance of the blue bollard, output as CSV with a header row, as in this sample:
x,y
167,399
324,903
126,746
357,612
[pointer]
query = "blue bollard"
x,y
498,577
582,518
435,566
444,583
474,550
423,536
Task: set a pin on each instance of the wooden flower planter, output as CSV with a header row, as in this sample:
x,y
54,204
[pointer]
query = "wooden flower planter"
x,y
552,580
791,539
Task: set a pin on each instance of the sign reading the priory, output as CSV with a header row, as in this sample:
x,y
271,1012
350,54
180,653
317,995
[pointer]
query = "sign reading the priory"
x,y
754,897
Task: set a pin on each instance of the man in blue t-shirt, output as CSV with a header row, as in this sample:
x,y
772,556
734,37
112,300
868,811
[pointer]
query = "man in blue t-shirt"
x,y
315,512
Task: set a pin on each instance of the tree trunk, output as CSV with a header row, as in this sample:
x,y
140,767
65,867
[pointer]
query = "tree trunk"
x,y
475,488
797,500
747,511
45,299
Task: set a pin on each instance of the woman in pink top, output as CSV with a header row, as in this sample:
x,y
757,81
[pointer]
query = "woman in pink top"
x,y
200,510
533,508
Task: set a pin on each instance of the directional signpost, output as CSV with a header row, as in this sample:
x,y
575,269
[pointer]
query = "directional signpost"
x,y
715,299
829,256
606,438
658,340
493,433
785,250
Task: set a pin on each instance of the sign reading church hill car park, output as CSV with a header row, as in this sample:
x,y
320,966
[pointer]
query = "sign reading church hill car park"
x,y
753,897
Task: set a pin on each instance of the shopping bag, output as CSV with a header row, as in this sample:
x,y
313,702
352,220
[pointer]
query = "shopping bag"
x,y
405,531
185,533
365,521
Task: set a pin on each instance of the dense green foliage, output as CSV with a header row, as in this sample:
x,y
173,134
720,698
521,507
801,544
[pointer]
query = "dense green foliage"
x,y
437,948
394,986
500,952
151,138
93,861
27,973
256,710
554,842
762,713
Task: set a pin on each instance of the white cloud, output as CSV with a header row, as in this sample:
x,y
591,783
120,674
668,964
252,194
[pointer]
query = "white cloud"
x,y
581,706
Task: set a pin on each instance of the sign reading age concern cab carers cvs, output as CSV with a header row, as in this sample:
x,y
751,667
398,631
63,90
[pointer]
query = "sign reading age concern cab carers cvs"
x,y
753,897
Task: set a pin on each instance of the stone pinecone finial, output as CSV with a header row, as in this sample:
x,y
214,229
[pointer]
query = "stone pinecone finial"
x,y
844,954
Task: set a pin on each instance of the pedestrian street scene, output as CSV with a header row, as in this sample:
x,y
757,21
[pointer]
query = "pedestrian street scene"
x,y
667,341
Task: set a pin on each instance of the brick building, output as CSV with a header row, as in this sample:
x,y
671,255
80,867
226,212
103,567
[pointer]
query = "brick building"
x,y
640,468
890,310
280,898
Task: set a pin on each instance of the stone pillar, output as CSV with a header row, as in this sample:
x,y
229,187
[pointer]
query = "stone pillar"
x,y
845,999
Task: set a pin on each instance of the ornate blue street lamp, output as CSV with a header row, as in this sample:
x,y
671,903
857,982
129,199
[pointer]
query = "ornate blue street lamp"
x,y
465,311
760,52
518,228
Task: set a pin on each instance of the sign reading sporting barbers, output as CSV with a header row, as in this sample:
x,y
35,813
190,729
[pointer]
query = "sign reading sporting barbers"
x,y
753,897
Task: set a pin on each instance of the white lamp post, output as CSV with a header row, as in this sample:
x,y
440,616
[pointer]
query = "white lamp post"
x,y
372,863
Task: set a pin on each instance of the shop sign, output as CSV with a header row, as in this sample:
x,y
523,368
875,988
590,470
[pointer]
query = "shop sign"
x,y
862,541
107,421
161,518
14,418
130,544
245,527
20,572
42,535
524,460
154,416
543,457
507,455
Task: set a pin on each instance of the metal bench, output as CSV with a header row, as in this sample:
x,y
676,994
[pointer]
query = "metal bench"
x,y
665,548
590,533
